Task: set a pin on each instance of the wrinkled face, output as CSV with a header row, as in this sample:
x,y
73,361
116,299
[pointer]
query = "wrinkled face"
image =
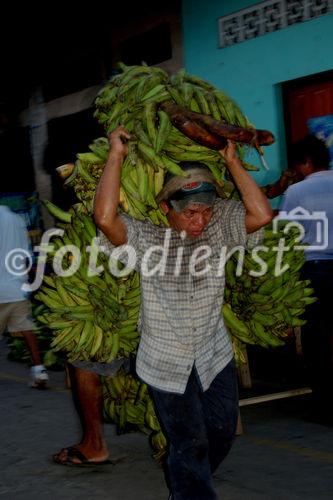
x,y
193,219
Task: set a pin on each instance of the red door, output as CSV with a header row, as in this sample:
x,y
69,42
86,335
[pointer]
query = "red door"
x,y
307,101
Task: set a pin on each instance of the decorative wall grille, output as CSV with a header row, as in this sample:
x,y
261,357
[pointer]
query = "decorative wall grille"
x,y
268,16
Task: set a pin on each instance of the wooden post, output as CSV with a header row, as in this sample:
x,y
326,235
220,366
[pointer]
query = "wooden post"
x,y
298,341
68,379
239,428
244,372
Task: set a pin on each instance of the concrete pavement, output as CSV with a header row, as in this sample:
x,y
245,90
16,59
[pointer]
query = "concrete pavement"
x,y
281,455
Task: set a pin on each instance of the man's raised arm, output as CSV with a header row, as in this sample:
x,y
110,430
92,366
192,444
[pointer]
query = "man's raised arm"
x,y
108,189
258,210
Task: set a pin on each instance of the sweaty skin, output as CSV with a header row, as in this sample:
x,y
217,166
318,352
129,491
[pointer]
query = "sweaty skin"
x,y
194,218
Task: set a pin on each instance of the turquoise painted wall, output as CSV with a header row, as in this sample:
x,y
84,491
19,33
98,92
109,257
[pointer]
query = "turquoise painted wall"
x,y
252,72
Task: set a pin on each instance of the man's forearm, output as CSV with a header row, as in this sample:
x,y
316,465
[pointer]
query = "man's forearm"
x,y
107,200
108,189
255,202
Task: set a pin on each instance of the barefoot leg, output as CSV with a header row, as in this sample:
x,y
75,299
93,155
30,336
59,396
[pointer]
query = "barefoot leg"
x,y
32,343
88,400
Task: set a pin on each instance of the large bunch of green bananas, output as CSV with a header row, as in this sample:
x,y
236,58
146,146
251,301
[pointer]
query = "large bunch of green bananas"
x,y
132,98
127,404
93,317
261,309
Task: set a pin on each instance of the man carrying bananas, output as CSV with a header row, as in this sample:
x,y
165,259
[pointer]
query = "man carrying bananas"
x,y
185,354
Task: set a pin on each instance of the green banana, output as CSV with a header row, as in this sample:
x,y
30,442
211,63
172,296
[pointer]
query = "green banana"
x,y
97,342
163,132
233,322
57,212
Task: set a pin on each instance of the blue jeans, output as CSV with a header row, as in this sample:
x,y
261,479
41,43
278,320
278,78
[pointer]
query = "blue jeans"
x,y
200,427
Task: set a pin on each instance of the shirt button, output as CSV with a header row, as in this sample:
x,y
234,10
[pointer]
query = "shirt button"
x,y
188,368
191,296
194,329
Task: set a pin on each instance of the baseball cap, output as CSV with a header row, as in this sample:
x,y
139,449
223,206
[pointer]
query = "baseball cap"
x,y
198,188
202,193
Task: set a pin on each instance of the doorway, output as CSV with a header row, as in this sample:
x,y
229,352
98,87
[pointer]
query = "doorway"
x,y
303,99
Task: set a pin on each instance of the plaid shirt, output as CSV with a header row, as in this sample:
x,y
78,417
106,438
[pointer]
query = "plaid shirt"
x,y
180,318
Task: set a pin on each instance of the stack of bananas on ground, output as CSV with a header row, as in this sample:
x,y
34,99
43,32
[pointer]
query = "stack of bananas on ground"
x,y
93,317
127,404
132,98
261,309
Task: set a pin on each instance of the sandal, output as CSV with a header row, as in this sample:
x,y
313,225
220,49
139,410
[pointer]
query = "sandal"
x,y
73,453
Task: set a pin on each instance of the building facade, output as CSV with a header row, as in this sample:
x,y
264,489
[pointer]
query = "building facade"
x,y
257,53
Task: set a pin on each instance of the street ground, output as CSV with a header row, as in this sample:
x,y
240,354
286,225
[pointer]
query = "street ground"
x,y
281,454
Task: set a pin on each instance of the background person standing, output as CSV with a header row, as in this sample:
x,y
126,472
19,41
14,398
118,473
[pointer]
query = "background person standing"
x,y
310,161
15,307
